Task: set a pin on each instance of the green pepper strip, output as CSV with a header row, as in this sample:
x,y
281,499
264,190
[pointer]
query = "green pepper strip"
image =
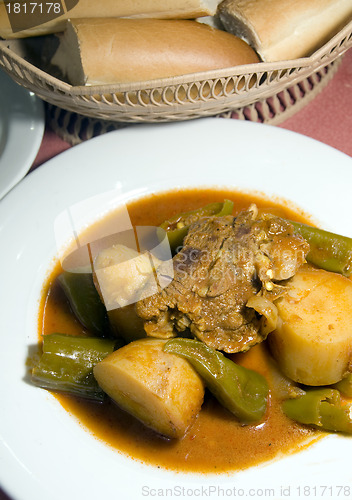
x,y
85,302
328,251
67,362
321,408
345,385
177,227
242,391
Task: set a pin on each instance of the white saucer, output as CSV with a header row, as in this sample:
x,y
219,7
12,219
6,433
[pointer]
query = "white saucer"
x,y
21,131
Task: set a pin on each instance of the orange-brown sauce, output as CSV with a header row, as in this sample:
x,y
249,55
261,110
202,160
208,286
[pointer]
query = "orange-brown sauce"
x,y
216,442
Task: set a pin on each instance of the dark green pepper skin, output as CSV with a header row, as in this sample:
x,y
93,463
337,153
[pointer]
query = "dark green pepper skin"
x,y
177,227
85,302
321,408
67,363
242,391
328,251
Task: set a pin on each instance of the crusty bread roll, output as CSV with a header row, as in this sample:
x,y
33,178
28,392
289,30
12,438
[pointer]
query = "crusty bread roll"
x,y
160,9
284,29
102,51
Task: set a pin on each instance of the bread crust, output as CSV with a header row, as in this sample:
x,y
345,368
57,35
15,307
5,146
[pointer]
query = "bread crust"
x,y
102,51
159,9
285,29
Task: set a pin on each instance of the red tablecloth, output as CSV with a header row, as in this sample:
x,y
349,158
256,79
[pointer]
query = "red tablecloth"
x,y
328,118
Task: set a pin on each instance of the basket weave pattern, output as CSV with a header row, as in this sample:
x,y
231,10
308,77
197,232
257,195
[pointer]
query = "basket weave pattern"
x,y
177,98
75,128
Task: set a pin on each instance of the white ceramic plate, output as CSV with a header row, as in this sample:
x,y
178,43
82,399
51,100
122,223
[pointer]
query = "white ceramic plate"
x,y
44,453
21,131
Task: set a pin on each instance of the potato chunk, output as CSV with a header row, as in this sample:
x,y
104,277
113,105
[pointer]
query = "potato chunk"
x,y
160,389
120,276
313,339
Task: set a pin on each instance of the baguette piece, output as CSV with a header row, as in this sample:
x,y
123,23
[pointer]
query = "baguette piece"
x,y
159,9
285,29
103,51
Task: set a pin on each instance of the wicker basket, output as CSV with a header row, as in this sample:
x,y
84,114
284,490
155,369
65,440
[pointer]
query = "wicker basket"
x,y
177,98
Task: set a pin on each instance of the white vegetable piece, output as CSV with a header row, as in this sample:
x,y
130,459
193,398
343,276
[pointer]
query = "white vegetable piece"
x,y
160,389
122,273
313,340
123,276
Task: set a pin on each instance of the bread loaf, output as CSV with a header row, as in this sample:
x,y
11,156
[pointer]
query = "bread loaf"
x,y
103,51
285,29
162,9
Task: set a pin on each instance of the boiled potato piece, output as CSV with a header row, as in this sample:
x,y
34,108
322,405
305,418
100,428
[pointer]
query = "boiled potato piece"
x,y
313,340
160,389
120,275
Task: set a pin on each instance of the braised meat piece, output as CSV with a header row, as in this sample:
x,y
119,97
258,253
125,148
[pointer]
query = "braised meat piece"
x,y
225,262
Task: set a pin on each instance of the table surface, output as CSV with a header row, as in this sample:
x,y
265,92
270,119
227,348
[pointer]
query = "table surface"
x,y
327,118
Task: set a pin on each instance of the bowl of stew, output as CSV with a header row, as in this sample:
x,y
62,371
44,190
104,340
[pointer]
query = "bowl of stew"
x,y
64,443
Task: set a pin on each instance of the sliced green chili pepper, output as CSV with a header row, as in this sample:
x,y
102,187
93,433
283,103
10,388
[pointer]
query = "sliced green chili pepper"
x,y
242,391
328,251
345,386
321,408
67,362
85,302
177,227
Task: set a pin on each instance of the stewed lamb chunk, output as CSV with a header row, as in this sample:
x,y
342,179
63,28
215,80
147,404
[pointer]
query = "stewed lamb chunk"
x,y
225,262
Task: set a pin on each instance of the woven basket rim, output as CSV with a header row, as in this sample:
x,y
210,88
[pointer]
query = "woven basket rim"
x,y
319,58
